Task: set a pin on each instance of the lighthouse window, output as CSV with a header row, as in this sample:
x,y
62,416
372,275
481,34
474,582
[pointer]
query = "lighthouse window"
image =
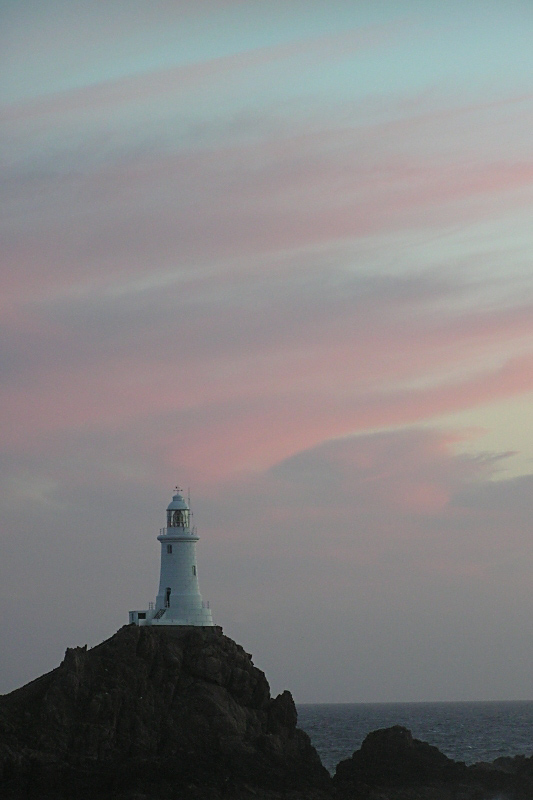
x,y
194,570
169,549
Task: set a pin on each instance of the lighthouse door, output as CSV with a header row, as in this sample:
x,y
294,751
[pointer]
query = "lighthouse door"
x,y
167,597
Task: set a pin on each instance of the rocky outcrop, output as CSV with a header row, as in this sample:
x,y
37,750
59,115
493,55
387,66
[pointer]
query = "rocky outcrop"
x,y
393,757
183,714
154,713
392,765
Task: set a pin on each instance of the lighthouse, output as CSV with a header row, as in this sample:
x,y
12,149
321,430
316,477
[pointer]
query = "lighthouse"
x,y
178,600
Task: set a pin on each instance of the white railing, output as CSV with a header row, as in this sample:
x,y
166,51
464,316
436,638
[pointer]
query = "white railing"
x,y
178,531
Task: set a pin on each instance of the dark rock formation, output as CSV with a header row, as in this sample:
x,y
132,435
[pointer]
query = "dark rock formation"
x,y
392,757
183,714
154,713
391,765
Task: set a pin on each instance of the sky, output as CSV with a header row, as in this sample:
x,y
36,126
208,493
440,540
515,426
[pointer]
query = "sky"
x,y
279,253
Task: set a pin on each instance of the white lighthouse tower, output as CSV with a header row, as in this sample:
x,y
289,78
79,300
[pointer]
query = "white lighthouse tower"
x,y
178,601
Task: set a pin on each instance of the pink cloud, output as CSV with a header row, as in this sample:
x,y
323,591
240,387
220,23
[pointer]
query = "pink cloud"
x,y
270,368
250,198
180,80
376,491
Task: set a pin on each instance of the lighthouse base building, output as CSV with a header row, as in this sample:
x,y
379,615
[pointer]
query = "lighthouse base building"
x,y
178,600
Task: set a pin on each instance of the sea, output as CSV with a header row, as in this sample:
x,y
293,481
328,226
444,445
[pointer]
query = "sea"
x,y
465,731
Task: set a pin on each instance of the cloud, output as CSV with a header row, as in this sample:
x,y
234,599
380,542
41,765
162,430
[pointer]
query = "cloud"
x,y
381,548
378,546
215,274
180,80
85,207
258,366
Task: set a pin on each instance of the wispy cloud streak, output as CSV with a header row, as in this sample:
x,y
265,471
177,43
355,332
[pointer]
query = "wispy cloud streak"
x,y
290,267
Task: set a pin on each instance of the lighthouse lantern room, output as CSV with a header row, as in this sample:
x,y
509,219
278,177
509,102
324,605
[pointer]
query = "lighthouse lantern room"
x,y
178,601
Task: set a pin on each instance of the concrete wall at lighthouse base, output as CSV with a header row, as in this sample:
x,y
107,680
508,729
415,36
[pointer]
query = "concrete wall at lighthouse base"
x,y
198,615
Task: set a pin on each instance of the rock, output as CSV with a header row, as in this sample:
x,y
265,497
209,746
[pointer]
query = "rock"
x,y
183,714
154,713
392,765
392,757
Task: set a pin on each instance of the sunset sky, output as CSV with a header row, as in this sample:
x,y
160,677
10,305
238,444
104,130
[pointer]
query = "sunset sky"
x,y
280,253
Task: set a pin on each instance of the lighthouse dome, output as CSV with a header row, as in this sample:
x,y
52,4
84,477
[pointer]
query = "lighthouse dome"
x,y
177,503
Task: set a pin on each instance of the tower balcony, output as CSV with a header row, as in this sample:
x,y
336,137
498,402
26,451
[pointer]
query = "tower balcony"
x,y
181,533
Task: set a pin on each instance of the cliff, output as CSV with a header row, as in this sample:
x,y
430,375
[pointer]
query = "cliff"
x,y
154,713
